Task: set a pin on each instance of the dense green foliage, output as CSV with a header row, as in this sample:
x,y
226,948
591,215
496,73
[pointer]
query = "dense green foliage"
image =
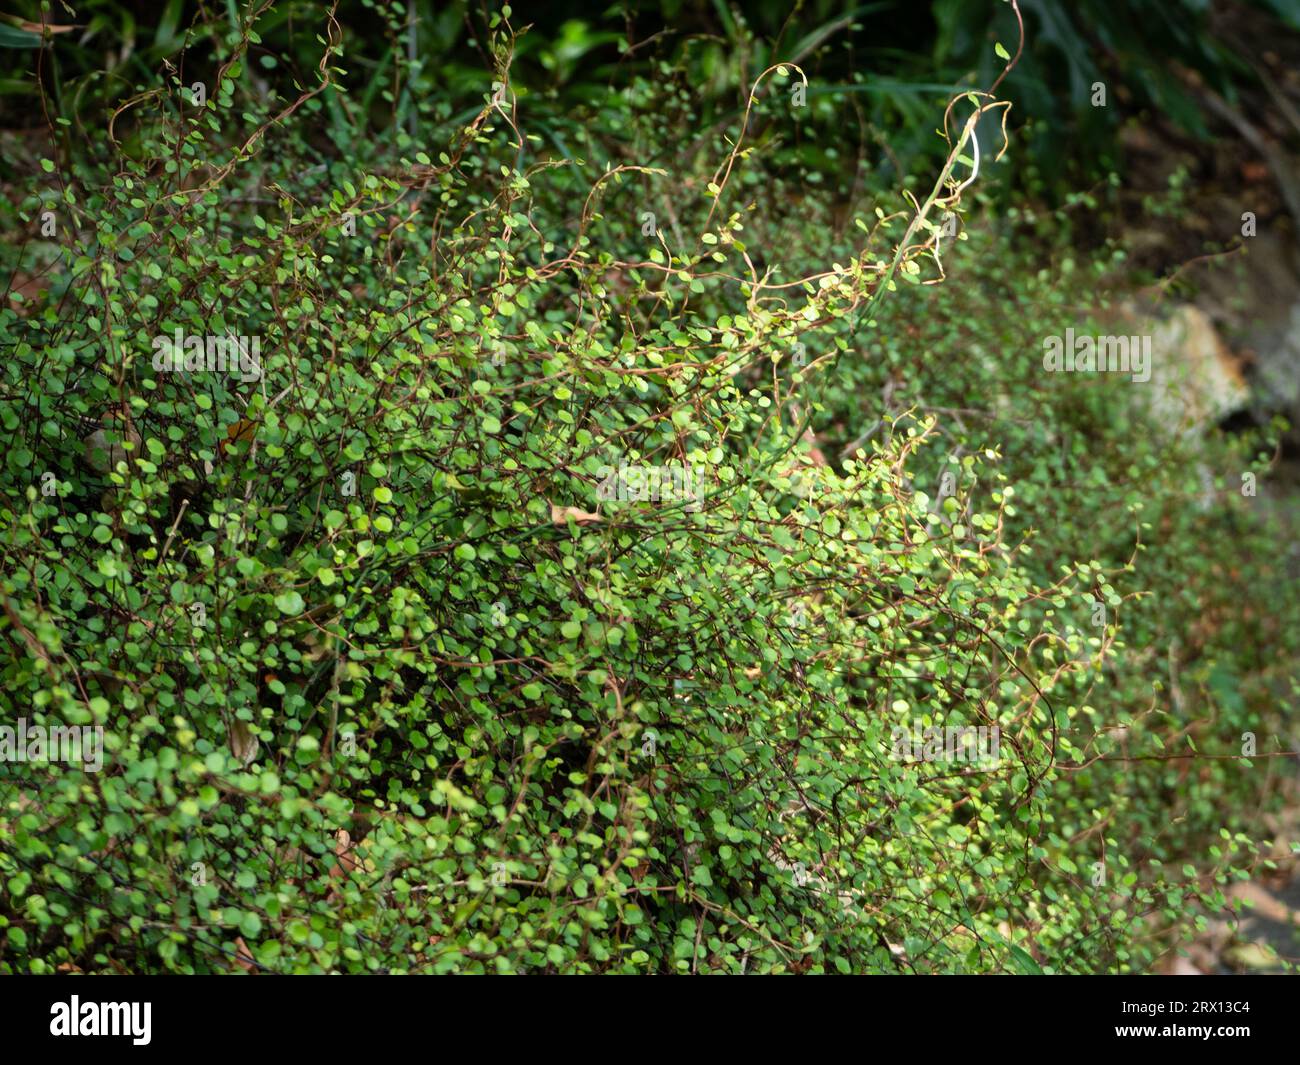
x,y
388,685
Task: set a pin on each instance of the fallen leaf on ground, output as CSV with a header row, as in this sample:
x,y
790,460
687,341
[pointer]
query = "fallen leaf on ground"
x,y
559,515
243,744
244,956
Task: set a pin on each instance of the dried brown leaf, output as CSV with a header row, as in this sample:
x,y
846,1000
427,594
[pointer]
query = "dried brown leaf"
x,y
243,744
560,515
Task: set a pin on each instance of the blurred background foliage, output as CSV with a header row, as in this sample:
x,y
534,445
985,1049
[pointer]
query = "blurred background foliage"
x,y
883,65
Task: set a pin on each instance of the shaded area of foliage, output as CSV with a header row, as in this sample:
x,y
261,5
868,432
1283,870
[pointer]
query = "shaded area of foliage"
x,y
884,65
